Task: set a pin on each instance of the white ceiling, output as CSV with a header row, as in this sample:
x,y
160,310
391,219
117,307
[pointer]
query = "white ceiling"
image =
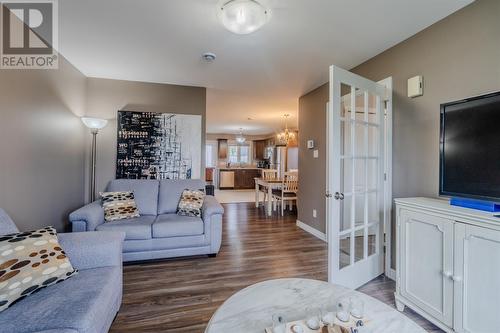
x,y
260,75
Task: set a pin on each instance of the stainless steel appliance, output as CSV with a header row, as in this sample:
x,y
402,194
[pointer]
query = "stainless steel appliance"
x,y
226,179
263,164
279,159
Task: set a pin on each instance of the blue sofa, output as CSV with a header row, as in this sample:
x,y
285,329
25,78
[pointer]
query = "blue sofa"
x,y
85,303
159,232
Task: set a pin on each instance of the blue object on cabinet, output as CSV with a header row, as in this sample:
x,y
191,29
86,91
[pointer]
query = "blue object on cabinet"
x,y
487,206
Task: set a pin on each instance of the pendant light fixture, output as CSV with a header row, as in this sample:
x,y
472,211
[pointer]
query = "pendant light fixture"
x,y
286,135
243,16
240,138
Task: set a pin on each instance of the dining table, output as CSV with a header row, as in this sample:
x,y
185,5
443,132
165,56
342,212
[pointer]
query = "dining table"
x,y
270,185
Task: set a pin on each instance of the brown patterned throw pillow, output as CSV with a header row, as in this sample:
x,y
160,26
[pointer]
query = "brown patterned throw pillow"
x,y
119,205
191,203
30,261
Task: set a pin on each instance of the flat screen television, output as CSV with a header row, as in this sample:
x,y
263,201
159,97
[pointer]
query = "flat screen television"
x,y
470,148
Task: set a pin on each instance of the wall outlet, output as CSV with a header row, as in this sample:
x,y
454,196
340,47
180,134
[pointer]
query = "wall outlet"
x,y
316,153
315,213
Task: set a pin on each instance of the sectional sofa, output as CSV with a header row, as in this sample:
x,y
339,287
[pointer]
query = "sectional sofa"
x,y
85,303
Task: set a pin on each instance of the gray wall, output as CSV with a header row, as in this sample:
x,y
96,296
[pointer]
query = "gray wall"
x,y
44,147
105,97
41,145
312,180
458,57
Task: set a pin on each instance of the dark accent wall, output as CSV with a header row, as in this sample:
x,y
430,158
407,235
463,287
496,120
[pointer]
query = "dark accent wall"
x,y
105,97
41,145
458,57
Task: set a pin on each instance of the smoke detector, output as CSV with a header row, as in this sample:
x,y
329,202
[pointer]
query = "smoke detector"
x,y
209,56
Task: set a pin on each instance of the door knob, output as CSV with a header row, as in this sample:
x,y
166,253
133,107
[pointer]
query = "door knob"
x,y
339,196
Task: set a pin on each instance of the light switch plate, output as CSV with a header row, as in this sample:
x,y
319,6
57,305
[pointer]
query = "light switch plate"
x,y
316,153
315,213
310,144
415,86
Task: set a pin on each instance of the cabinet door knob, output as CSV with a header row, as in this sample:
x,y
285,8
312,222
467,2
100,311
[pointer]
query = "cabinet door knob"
x,y
448,275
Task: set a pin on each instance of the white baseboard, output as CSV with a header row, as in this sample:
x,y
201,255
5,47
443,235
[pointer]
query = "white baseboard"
x,y
311,230
391,274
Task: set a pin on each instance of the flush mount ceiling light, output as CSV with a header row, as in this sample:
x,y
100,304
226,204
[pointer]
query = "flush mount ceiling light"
x,y
243,16
209,57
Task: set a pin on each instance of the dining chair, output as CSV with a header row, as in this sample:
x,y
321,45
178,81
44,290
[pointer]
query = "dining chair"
x,y
287,192
268,174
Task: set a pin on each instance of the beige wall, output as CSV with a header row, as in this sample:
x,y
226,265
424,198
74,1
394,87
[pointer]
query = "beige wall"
x,y
41,144
105,97
458,57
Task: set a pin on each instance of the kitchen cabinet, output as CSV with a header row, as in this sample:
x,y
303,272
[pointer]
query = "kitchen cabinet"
x,y
222,149
259,149
294,142
244,178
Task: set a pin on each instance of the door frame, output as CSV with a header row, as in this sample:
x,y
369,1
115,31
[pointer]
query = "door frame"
x,y
387,237
389,271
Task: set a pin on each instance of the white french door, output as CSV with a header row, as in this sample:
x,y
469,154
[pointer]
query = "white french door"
x,y
357,206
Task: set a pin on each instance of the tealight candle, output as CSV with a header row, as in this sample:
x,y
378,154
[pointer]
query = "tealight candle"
x,y
313,318
328,318
357,307
343,309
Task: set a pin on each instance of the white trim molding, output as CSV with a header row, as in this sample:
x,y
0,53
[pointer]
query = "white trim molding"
x,y
391,274
311,230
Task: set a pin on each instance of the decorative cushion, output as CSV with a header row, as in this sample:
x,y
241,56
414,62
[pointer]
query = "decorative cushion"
x,y
145,193
171,191
30,261
119,205
191,203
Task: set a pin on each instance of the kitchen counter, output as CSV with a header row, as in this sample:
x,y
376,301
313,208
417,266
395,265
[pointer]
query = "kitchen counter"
x,y
244,178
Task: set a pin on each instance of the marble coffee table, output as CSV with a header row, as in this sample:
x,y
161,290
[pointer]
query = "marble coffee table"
x,y
250,310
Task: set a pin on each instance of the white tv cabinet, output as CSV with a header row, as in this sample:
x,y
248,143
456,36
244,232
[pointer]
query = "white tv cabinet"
x,y
448,264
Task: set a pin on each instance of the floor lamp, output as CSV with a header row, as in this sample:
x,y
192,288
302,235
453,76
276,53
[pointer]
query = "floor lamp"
x,y
95,124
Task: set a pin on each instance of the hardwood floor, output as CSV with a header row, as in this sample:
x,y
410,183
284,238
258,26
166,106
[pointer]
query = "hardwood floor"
x,y
181,295
382,288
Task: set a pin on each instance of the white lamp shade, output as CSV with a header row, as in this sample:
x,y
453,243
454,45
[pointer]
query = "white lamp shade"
x,y
94,123
243,16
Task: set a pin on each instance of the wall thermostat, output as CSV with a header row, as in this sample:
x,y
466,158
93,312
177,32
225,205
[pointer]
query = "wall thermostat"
x,y
310,144
415,86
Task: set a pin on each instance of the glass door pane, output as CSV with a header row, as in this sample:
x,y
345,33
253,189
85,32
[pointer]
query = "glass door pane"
x,y
346,178
360,139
